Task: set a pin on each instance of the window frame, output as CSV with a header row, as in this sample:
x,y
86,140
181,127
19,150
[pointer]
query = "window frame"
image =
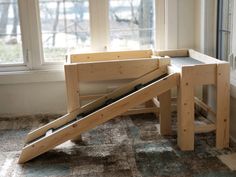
x,y
29,16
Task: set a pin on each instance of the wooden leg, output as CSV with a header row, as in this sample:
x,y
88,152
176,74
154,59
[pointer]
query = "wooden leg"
x,y
77,139
72,86
149,104
165,113
185,118
222,107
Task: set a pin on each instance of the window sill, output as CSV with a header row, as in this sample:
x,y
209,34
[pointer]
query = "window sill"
x,y
32,76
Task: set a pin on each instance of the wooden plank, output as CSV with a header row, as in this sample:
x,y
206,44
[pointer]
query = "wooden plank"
x,y
165,113
204,106
96,118
185,118
164,61
114,70
107,56
157,105
141,111
72,87
202,74
203,58
90,97
229,160
173,53
222,105
125,89
205,128
61,121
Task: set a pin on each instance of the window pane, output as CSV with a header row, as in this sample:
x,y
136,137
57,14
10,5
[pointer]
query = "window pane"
x,y
10,34
65,27
131,24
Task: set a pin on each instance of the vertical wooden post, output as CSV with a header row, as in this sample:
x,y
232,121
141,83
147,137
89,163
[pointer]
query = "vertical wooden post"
x,y
165,113
72,87
185,118
222,105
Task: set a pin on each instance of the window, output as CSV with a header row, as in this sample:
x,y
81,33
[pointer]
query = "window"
x,y
131,24
225,31
10,33
37,34
64,27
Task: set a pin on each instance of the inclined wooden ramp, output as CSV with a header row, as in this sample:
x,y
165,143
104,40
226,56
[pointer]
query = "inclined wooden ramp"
x,y
101,110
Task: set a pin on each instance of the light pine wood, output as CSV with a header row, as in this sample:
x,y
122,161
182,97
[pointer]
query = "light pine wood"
x,y
203,58
229,160
71,131
204,106
107,56
173,53
146,67
204,128
72,87
202,74
134,111
142,80
165,113
222,106
113,70
91,97
124,89
185,118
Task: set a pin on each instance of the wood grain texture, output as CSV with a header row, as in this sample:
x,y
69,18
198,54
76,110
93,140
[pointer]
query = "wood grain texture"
x,y
96,118
165,113
185,118
113,70
222,106
92,105
107,56
72,87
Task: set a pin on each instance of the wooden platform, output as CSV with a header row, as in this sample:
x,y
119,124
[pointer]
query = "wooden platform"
x,y
146,77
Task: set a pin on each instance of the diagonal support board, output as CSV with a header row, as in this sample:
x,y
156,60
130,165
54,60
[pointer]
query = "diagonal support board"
x,y
98,117
68,117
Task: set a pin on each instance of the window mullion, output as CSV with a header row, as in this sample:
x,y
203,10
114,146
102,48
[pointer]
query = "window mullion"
x,y
160,24
31,33
99,24
23,17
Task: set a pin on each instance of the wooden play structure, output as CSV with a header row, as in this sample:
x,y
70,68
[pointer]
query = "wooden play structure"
x,y
135,82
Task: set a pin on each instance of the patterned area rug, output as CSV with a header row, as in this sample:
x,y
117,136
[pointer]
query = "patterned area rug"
x,y
128,146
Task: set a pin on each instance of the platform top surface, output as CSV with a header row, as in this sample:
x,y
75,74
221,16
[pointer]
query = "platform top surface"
x,y
184,61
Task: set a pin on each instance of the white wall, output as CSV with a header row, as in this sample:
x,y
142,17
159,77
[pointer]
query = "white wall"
x,y
32,98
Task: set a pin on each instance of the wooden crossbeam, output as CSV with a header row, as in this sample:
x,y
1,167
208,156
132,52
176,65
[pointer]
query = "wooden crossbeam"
x,y
204,106
115,70
141,111
107,56
98,117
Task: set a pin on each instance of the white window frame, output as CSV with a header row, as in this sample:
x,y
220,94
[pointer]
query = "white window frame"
x,y
29,15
